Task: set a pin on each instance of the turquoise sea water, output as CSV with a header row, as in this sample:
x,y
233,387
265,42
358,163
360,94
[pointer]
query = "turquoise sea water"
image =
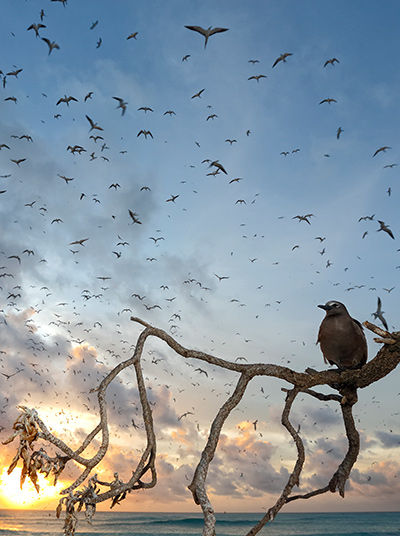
x,y
34,523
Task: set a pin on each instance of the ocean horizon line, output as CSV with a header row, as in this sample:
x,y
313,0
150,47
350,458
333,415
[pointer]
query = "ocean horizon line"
x,y
153,512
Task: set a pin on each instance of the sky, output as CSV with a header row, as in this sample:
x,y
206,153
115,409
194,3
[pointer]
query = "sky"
x,y
220,261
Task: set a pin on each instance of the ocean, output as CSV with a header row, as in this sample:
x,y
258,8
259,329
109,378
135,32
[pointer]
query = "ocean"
x,y
35,523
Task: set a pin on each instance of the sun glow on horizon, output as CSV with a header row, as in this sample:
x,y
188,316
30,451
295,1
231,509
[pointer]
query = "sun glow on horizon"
x,y
11,495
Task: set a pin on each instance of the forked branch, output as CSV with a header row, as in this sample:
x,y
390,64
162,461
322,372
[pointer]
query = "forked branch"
x,y
29,428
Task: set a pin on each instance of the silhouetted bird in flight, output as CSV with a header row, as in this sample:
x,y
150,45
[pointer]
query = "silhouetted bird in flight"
x,y
379,314
282,57
206,32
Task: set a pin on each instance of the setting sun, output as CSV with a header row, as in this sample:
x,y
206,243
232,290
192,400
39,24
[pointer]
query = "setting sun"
x,y
11,495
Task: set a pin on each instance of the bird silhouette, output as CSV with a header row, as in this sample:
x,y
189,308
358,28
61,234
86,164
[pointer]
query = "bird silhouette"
x,y
379,314
51,44
282,57
93,125
384,227
381,150
332,62
206,33
121,104
198,94
257,77
36,28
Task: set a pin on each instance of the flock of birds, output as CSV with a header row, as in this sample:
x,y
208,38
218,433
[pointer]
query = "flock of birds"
x,y
17,286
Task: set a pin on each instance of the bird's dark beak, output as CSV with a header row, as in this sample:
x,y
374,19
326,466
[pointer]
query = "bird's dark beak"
x,y
324,307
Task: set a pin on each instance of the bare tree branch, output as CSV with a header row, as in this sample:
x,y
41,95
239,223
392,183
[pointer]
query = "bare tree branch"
x,y
29,428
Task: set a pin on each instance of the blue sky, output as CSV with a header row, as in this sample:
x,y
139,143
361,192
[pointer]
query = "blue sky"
x,y
245,230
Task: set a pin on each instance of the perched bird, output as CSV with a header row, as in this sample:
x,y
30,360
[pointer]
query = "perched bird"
x,y
341,337
379,314
206,32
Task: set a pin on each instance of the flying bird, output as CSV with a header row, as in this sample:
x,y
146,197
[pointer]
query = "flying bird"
x,y
218,166
93,125
66,99
66,179
132,35
384,227
145,133
206,32
282,57
36,27
303,218
198,94
172,198
221,277
328,100
379,314
338,132
121,104
134,216
18,162
79,242
332,62
257,77
14,73
51,44
341,337
380,150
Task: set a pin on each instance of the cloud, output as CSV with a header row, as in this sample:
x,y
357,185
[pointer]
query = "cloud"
x,y
388,439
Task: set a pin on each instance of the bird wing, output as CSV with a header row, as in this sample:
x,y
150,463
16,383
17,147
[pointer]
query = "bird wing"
x,y
90,120
277,61
198,29
218,30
